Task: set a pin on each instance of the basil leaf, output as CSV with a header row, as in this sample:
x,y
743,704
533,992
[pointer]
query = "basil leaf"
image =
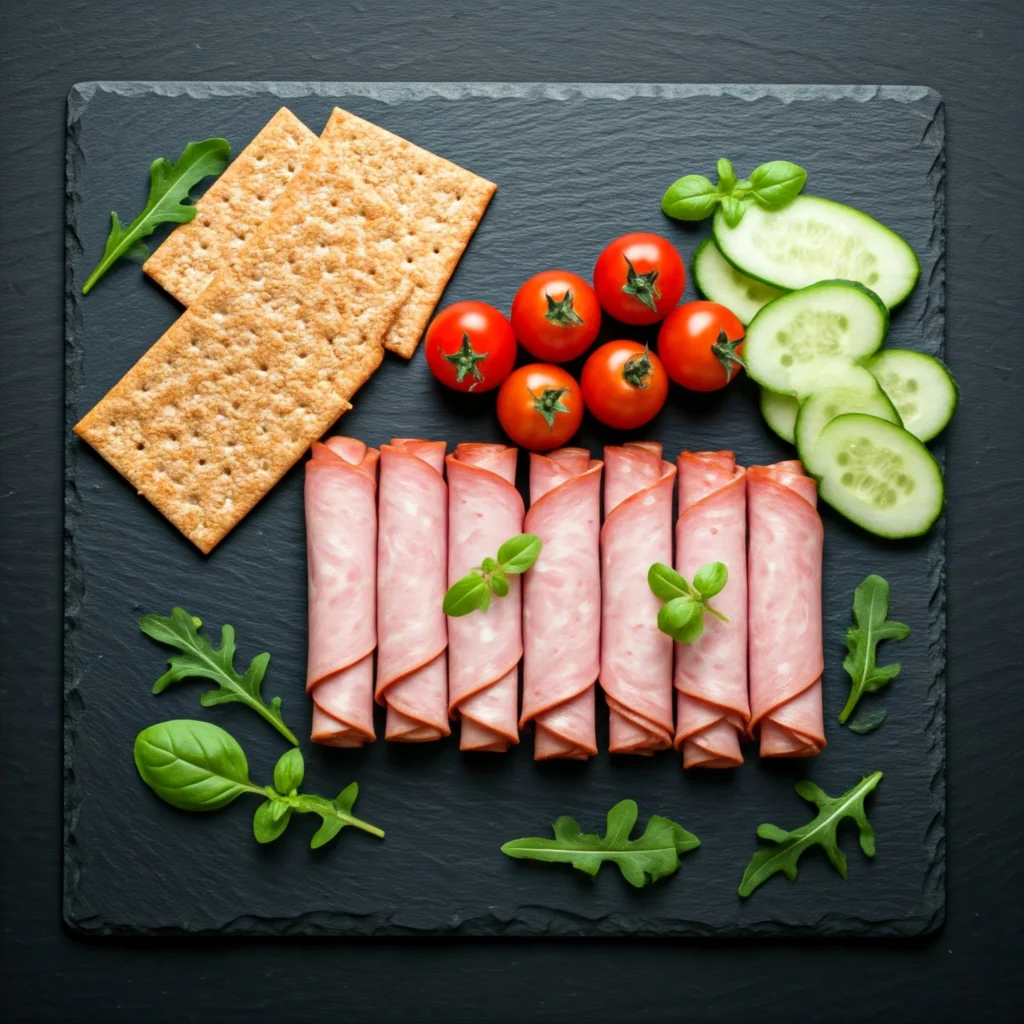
x,y
499,583
488,565
711,579
266,827
733,210
726,176
666,583
518,553
692,197
674,615
466,595
326,832
192,765
289,772
776,183
693,629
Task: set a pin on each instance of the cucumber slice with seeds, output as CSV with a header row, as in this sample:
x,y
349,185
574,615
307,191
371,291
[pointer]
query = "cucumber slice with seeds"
x,y
824,406
813,239
803,337
921,388
878,475
718,280
780,412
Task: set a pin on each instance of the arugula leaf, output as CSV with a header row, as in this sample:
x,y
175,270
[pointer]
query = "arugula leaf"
x,y
787,847
653,855
198,766
169,187
868,722
682,615
872,624
474,590
200,659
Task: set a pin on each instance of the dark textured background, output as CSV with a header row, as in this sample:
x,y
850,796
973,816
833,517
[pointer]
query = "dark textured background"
x,y
971,54
123,559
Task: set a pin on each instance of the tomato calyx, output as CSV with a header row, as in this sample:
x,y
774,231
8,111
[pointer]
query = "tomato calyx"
x,y
549,404
643,286
464,360
562,313
637,369
724,351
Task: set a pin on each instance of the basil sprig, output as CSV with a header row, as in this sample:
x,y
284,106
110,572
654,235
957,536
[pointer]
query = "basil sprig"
x,y
198,766
474,590
771,186
682,614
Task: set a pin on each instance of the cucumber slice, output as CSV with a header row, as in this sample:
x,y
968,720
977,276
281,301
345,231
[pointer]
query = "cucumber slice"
x,y
824,406
780,412
718,280
878,475
813,239
921,388
803,336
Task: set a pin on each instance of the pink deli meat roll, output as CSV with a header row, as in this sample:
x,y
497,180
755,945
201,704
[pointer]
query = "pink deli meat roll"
x,y
561,604
484,648
636,657
412,632
341,551
784,581
712,709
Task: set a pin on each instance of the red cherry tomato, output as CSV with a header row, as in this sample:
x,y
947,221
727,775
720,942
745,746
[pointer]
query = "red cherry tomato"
x,y
540,406
701,345
556,316
470,347
624,384
639,278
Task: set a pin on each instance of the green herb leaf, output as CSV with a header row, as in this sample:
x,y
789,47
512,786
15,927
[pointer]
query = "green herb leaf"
x,y
488,565
711,579
466,595
787,847
675,615
726,176
776,183
200,659
169,187
732,209
871,625
499,583
518,553
693,629
199,767
289,771
653,855
692,197
868,722
192,765
270,820
666,583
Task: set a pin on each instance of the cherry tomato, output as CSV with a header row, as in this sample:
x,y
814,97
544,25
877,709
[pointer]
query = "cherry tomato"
x,y
701,345
540,406
624,384
470,347
556,316
639,278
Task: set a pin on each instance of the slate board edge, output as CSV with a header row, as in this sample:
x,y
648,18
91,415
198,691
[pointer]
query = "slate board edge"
x,y
527,920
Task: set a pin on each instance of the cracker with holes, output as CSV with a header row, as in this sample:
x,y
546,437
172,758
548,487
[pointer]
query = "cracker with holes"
x,y
268,356
232,208
441,205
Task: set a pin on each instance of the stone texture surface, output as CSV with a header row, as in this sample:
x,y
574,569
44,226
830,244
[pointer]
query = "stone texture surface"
x,y
576,165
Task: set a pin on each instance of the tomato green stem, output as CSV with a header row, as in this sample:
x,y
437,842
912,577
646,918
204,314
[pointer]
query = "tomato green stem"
x,y
562,313
465,360
549,404
637,369
643,286
724,351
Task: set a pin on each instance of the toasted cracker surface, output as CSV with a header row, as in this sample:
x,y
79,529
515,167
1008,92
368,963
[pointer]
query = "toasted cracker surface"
x,y
232,208
267,357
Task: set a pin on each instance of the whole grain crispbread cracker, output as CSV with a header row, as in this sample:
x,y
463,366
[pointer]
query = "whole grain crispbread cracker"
x,y
266,358
441,205
232,208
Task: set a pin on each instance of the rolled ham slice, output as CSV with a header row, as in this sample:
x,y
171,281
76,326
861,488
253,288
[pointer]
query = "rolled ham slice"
x,y
484,648
636,657
341,548
561,604
784,581
712,710
412,632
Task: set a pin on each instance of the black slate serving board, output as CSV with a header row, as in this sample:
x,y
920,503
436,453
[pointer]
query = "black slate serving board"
x,y
576,165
